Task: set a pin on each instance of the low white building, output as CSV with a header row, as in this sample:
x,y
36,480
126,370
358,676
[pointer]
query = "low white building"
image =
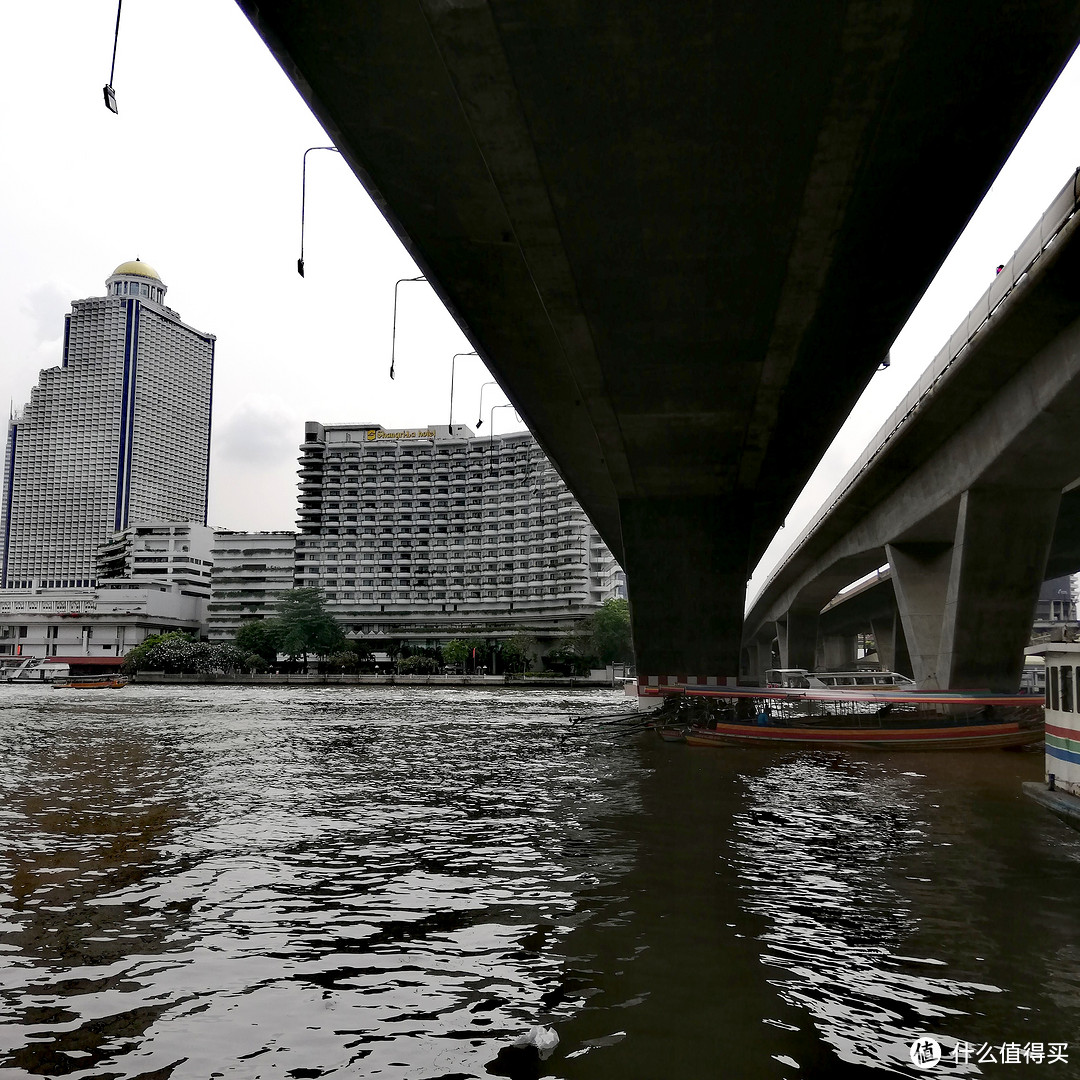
x,y
251,571
92,627
152,578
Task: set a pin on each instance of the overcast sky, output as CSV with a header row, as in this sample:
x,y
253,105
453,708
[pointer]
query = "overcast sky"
x,y
199,175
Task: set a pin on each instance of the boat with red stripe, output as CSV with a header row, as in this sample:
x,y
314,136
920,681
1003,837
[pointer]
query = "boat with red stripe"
x,y
867,719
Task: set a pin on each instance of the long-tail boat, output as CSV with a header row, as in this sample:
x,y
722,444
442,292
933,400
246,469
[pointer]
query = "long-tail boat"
x,y
878,719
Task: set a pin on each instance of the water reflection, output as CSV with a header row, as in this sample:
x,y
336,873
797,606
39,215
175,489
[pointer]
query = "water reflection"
x,y
304,884
817,845
885,892
209,882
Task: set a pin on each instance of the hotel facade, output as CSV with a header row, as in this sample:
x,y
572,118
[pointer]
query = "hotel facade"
x,y
252,571
119,433
426,533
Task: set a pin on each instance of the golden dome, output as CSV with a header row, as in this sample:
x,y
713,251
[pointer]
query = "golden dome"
x,y
138,269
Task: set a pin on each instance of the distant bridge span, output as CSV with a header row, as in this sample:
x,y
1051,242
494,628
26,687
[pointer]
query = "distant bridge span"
x,y
668,228
961,490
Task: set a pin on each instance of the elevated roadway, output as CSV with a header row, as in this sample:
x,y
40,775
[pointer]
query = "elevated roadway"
x,y
962,489
682,236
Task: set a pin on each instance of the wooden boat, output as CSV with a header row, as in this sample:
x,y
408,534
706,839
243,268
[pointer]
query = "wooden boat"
x,y
672,734
875,719
92,682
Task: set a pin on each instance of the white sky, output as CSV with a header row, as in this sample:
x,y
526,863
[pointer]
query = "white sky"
x,y
199,176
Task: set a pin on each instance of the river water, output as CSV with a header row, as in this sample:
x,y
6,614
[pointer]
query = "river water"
x,y
387,882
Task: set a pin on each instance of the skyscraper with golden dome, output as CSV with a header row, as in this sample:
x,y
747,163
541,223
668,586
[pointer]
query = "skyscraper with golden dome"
x,y
119,433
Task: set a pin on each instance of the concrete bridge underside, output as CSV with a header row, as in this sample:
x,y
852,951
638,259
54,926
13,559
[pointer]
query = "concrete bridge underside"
x,y
963,497
682,235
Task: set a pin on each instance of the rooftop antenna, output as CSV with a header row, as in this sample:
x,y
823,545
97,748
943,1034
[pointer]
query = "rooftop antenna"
x,y
107,90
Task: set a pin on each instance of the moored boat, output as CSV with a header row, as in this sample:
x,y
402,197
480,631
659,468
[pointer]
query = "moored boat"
x,y
672,734
92,682
876,719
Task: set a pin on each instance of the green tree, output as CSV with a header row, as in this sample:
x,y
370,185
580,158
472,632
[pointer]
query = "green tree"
x,y
177,652
608,632
455,652
261,637
418,664
516,653
155,651
307,626
565,659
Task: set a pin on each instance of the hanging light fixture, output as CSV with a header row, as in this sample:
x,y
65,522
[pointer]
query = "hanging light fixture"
x,y
107,90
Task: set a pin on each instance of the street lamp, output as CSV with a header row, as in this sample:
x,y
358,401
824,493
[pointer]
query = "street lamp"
x,y
303,201
393,332
480,418
107,89
453,361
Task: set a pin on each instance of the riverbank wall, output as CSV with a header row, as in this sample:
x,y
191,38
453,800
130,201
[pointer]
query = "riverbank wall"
x,y
501,682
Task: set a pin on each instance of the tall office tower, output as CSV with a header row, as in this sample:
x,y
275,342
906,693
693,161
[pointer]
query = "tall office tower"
x,y
118,434
423,532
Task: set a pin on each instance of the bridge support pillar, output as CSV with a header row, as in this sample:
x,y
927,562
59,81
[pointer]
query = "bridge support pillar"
x,y
891,646
757,659
920,574
967,607
797,633
838,652
1003,537
685,562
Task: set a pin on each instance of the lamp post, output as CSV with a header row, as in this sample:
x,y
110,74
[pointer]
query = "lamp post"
x,y
393,332
480,418
453,361
303,201
107,90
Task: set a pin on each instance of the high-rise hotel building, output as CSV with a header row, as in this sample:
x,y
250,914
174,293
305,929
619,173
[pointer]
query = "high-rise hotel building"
x,y
118,434
428,531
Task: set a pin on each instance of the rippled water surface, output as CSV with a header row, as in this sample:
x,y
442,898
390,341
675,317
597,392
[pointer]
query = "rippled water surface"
x,y
385,882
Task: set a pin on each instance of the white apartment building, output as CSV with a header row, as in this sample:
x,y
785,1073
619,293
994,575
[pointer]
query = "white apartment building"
x,y
179,553
119,433
251,571
428,532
